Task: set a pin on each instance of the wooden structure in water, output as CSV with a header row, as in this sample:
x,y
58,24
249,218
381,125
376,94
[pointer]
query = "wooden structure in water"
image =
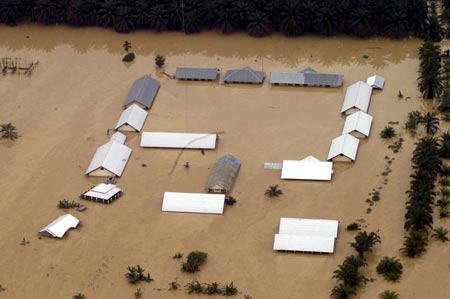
x,y
17,65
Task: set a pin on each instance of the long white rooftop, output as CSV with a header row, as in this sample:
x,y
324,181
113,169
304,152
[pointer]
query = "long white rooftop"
x,y
193,203
178,140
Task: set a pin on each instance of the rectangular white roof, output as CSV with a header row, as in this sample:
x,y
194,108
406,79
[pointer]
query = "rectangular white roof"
x,y
357,96
134,116
306,170
345,145
193,203
59,226
304,243
376,82
309,227
358,122
119,137
103,191
178,140
112,156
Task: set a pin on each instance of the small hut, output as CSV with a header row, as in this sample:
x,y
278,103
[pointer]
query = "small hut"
x,y
223,175
59,227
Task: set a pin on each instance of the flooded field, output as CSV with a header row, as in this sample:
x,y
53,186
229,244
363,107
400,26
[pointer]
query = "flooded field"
x,y
63,110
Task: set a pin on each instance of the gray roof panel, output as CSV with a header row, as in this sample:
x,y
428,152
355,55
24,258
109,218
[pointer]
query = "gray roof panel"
x,y
323,79
245,75
224,172
143,91
191,73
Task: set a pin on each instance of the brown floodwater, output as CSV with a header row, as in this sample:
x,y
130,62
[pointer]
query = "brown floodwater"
x,y
63,111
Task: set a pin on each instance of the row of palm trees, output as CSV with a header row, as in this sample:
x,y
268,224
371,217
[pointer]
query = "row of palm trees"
x,y
429,81
347,275
395,18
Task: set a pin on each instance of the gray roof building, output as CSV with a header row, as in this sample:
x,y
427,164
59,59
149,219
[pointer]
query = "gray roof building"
x,y
307,77
245,75
143,92
200,74
223,174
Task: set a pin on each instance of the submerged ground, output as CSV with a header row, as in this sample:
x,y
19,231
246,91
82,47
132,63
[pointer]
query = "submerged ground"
x,y
64,109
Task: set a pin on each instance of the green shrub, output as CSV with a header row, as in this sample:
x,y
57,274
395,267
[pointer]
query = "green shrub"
x,y
444,213
138,294
445,182
136,274
390,268
129,57
193,262
376,196
353,226
413,120
177,255
194,287
212,288
388,295
273,191
388,132
343,291
174,285
79,296
229,290
65,204
160,61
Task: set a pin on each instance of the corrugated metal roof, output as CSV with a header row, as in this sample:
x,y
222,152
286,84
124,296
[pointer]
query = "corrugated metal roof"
x,y
143,91
60,226
178,140
287,78
306,170
224,173
103,191
193,203
319,79
357,96
245,75
304,243
309,227
358,122
118,137
309,70
376,82
112,156
275,166
134,116
191,73
345,145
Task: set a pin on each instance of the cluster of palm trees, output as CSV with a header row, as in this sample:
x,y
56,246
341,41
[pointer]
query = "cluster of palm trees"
x,y
348,276
419,206
430,84
362,18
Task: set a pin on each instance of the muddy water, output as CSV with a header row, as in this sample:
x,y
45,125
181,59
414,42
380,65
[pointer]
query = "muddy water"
x,y
64,109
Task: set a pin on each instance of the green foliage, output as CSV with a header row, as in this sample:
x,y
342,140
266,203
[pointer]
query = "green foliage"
x,y
364,242
229,200
413,120
212,288
138,294
388,132
445,145
353,226
194,287
174,285
136,274
445,170
444,182
444,212
431,122
388,295
160,61
415,243
8,131
193,262
343,291
129,57
430,84
65,204
444,103
177,255
79,296
273,191
126,46
229,290
391,268
440,233
376,196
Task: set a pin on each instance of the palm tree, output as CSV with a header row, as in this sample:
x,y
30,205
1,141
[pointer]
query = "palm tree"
x,y
273,191
391,268
364,242
258,24
158,17
326,20
192,22
342,291
415,243
440,233
49,11
11,11
430,122
106,13
241,11
358,21
8,131
292,19
123,20
388,295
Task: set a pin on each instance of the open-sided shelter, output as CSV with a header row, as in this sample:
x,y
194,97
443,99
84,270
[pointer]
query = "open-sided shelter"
x,y
343,148
103,193
142,92
193,203
223,174
110,159
357,97
196,73
307,77
358,124
132,119
59,226
246,75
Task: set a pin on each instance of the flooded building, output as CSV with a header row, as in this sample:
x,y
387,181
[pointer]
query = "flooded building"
x,y
358,124
142,92
103,193
357,97
196,74
223,174
307,77
132,119
343,149
246,75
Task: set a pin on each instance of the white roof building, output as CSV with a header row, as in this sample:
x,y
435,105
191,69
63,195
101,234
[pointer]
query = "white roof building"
x,y
60,226
343,148
193,203
376,82
119,137
357,97
358,124
178,140
104,193
132,119
307,170
306,235
110,159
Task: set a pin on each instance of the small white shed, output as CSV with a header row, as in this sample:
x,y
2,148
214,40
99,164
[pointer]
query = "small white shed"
x,y
109,159
60,226
376,82
132,119
357,97
358,124
343,148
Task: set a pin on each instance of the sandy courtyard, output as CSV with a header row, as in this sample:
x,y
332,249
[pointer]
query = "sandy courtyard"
x,y
64,109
